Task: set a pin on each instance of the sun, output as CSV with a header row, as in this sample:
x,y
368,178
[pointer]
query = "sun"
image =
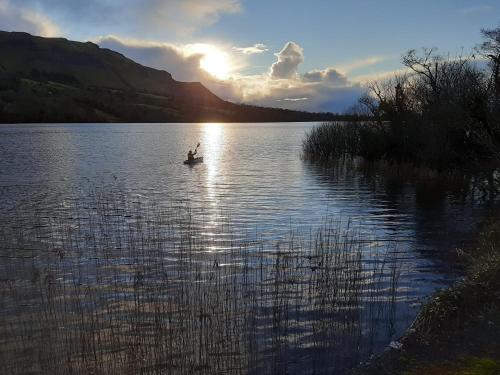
x,y
216,64
214,61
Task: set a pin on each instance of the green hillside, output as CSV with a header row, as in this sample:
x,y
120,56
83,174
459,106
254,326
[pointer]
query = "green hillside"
x,y
56,80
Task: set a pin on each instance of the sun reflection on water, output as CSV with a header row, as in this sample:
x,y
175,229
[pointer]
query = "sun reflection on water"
x,y
212,150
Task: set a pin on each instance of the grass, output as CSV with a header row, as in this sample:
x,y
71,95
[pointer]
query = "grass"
x,y
458,330
479,291
104,285
466,366
334,140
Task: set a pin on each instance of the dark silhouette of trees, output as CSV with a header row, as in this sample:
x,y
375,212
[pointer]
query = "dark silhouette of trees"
x,y
442,113
490,49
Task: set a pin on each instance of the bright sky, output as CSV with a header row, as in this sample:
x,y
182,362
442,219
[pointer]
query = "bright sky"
x,y
313,55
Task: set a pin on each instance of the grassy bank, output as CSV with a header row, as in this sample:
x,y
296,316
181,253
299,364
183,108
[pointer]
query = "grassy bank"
x,y
458,330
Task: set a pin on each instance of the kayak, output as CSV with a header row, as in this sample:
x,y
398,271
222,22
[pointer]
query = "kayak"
x,y
194,161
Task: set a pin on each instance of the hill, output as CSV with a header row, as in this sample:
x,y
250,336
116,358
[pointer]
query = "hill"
x,y
57,80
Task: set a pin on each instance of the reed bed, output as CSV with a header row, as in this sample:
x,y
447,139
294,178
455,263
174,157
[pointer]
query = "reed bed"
x,y
106,285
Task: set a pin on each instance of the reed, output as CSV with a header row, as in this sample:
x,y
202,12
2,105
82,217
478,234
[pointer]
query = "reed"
x,y
332,141
105,285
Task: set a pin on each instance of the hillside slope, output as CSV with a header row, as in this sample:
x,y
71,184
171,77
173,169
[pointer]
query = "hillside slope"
x,y
56,80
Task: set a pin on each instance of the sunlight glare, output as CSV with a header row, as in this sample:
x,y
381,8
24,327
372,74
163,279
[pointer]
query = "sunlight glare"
x,y
214,61
212,141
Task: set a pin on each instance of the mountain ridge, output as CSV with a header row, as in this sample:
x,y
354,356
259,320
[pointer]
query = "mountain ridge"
x,y
58,80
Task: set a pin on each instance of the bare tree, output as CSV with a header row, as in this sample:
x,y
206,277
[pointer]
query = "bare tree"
x,y
425,65
490,48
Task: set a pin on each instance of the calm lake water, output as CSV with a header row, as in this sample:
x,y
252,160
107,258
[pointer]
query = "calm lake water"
x,y
253,180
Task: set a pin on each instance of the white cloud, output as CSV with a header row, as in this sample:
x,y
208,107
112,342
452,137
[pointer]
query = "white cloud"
x,y
15,18
289,59
137,17
319,90
362,63
292,99
301,95
381,75
252,50
209,10
185,16
476,9
180,61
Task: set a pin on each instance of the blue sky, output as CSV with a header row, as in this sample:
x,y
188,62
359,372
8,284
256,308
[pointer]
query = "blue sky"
x,y
339,32
341,43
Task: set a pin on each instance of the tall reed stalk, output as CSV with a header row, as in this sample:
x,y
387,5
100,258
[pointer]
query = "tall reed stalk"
x,y
109,286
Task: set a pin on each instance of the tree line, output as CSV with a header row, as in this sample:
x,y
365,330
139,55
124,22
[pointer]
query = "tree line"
x,y
442,112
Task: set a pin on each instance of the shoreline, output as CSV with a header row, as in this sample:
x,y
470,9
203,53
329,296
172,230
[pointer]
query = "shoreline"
x,y
458,329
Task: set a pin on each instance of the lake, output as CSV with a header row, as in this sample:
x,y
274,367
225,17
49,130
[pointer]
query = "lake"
x,y
125,259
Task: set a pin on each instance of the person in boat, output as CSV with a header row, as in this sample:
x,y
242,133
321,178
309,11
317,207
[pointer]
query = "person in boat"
x,y
191,155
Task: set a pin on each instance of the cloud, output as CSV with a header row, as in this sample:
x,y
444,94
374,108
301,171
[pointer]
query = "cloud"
x,y
184,16
177,60
145,16
318,90
381,75
330,75
384,75
362,63
182,61
255,49
311,96
289,59
76,11
208,11
477,9
15,18
292,99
